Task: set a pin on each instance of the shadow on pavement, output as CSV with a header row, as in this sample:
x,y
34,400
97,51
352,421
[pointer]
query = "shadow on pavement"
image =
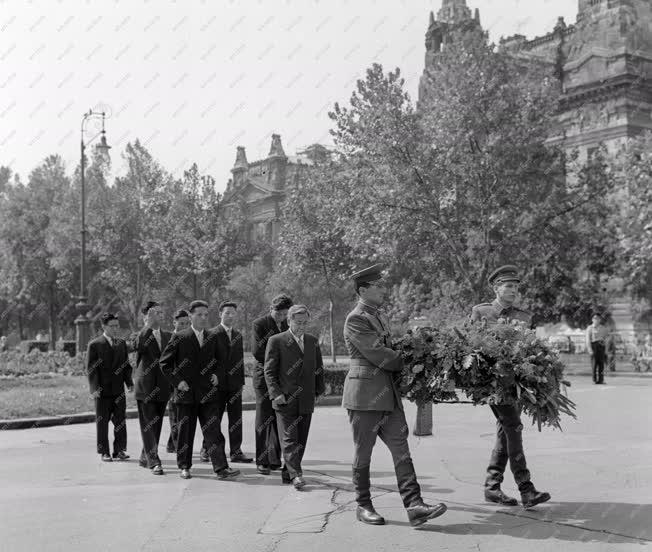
x,y
570,521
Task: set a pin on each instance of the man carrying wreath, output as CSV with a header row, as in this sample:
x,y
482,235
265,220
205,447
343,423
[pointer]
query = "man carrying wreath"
x,y
372,399
509,438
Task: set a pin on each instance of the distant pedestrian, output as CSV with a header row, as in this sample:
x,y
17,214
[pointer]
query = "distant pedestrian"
x,y
596,337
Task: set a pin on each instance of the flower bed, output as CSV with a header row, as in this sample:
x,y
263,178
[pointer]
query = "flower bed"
x,y
16,364
503,363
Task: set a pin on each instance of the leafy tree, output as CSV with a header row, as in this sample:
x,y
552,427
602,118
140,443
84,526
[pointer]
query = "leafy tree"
x,y
634,168
470,181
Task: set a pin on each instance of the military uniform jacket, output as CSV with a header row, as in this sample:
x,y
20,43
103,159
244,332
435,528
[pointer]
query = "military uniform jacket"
x,y
149,382
184,360
108,367
299,376
370,383
491,312
230,356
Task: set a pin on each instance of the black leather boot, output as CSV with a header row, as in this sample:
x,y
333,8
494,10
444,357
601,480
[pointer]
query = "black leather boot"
x,y
367,514
533,497
408,486
420,512
497,496
365,511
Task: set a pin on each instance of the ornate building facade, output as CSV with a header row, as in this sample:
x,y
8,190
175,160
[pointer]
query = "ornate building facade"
x,y
603,62
604,65
261,185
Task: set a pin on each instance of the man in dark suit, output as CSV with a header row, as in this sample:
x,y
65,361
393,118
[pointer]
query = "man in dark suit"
x,y
180,322
152,390
294,373
230,356
373,401
509,429
189,362
268,447
108,370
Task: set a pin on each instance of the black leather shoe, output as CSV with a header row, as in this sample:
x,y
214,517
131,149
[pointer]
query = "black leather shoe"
x,y
298,482
203,456
239,457
122,455
367,514
499,497
420,513
275,467
170,450
185,474
534,497
106,458
227,473
263,470
157,470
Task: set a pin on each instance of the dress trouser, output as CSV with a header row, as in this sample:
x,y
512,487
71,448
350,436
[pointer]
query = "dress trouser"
x,y
208,415
598,349
114,409
231,402
150,415
509,446
293,430
268,446
174,430
392,428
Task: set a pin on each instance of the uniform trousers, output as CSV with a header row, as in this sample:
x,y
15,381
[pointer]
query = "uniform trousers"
x,y
509,446
392,428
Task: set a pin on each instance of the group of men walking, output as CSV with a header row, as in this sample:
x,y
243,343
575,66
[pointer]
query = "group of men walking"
x,y
197,374
203,373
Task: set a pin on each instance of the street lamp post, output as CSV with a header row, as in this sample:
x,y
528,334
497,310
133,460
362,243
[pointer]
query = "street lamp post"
x,y
82,322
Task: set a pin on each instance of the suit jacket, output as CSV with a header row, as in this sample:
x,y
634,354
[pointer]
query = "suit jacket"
x,y
230,356
264,328
184,360
299,376
149,382
108,367
370,383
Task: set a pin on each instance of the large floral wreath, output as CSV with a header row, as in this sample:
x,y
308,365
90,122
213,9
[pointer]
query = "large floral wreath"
x,y
503,363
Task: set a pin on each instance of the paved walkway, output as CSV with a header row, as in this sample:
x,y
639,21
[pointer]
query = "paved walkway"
x,y
56,495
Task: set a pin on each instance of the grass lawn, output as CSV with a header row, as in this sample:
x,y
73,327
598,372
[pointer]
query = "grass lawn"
x,y
56,395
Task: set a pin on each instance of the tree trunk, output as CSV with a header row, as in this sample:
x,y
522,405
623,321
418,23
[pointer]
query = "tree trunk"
x,y
52,320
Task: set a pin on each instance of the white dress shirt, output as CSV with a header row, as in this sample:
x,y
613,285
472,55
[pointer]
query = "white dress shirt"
x,y
299,340
200,335
108,339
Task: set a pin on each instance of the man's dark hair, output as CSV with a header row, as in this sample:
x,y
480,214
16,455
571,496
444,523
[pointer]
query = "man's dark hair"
x,y
181,313
225,304
149,305
282,302
196,304
107,317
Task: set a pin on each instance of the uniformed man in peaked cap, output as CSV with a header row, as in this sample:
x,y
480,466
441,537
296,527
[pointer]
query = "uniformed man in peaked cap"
x,y
372,399
509,438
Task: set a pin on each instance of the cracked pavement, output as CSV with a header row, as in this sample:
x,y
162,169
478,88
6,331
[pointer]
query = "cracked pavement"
x,y
57,495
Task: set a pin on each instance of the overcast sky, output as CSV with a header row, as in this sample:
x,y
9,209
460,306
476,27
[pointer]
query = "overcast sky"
x,y
193,79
